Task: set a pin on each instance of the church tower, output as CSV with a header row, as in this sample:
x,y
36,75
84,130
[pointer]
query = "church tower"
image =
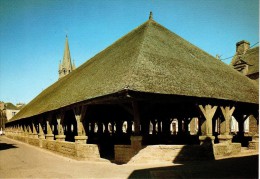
x,y
66,66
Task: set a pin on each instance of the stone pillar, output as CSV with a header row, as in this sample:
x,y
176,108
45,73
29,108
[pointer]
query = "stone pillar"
x,y
80,113
49,135
208,112
60,121
225,136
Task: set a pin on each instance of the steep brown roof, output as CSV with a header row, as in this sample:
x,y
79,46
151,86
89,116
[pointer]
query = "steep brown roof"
x,y
148,59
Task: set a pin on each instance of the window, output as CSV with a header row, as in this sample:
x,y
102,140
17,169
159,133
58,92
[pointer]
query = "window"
x,y
13,113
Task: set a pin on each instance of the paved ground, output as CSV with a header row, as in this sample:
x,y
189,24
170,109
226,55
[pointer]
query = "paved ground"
x,y
19,160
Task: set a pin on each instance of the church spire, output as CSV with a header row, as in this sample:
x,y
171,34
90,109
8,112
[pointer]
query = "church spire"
x,y
151,15
66,66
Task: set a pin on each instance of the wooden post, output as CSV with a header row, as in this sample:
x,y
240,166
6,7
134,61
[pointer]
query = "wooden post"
x,y
208,112
41,132
180,131
80,112
136,118
225,136
49,135
60,121
136,140
34,131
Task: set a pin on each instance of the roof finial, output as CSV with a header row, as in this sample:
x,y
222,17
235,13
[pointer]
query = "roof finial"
x,y
151,15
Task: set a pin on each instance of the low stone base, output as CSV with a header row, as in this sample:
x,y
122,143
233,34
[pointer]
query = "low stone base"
x,y
225,139
81,139
49,137
34,136
136,143
76,150
60,137
42,136
226,149
254,145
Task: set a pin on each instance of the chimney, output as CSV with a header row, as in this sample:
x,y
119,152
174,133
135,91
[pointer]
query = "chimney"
x,y
242,47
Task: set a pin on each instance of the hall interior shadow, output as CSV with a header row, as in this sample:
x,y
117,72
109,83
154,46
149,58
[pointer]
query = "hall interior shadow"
x,y
240,167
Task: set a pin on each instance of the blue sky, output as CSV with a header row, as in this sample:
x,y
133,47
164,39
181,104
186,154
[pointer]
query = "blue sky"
x,y
32,33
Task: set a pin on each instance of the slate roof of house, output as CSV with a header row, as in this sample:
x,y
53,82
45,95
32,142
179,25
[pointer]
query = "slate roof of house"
x,y
10,106
149,59
251,57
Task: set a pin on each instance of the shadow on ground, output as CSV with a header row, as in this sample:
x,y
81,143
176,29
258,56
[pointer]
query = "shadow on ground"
x,y
241,167
5,146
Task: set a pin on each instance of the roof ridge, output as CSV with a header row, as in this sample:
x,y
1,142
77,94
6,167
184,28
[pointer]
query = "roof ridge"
x,y
135,66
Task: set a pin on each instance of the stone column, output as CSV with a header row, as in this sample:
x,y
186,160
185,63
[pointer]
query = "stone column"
x,y
80,113
225,136
49,135
208,112
60,121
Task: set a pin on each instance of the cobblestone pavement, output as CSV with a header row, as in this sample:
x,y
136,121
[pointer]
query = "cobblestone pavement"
x,y
20,160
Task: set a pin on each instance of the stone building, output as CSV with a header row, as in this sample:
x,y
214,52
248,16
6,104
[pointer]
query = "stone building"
x,y
124,103
66,67
246,61
7,111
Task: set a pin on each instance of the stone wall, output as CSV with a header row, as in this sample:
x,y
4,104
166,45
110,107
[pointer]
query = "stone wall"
x,y
123,153
170,153
33,141
71,149
225,149
173,153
